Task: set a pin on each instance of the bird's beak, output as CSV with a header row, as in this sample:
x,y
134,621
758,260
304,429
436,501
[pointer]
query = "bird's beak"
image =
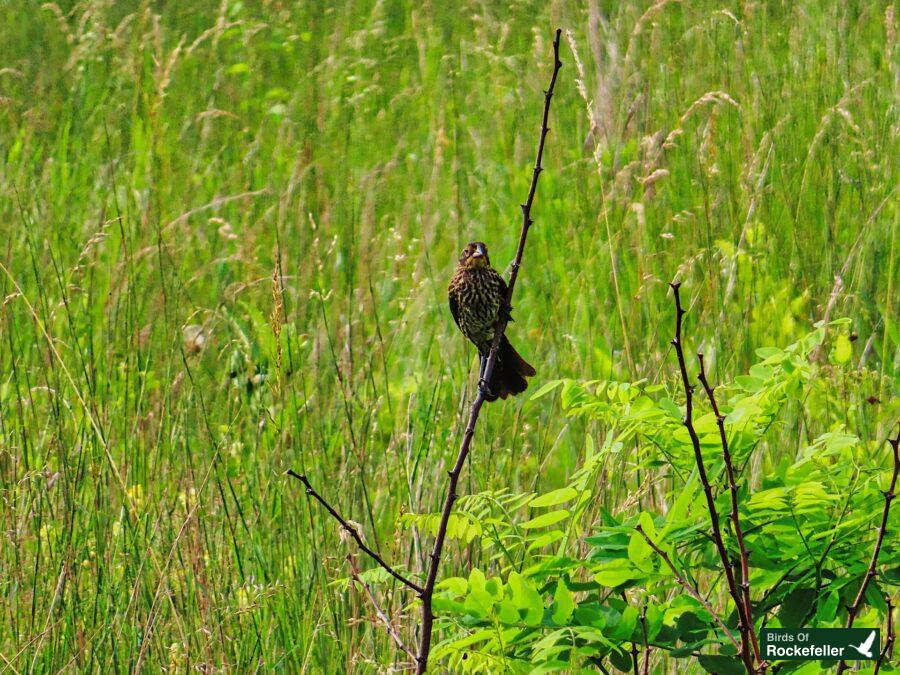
x,y
479,252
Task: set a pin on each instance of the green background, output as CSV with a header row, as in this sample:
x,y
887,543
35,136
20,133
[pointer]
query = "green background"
x,y
226,230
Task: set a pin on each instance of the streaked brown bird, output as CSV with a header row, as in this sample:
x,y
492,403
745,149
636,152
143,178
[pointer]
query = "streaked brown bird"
x,y
477,296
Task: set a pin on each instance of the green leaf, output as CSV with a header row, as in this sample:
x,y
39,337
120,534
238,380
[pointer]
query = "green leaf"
x,y
691,627
546,539
749,383
609,544
721,665
828,608
624,627
476,579
563,605
525,597
875,597
465,641
456,585
238,69
761,371
616,573
555,497
680,508
449,605
478,604
375,576
669,406
507,613
843,349
545,519
638,548
550,645
796,606
647,524
621,660
546,389
655,616
479,601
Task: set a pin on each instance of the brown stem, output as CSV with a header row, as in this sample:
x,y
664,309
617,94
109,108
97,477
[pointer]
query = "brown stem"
x,y
873,563
707,489
735,518
385,619
889,640
353,533
503,319
693,592
646,667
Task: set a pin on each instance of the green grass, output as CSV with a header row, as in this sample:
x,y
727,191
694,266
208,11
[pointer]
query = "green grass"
x,y
164,164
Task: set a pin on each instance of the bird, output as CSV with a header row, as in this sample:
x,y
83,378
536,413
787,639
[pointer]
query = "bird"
x,y
477,295
865,647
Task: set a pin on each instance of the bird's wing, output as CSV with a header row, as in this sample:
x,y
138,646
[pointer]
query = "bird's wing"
x,y
454,304
504,289
865,646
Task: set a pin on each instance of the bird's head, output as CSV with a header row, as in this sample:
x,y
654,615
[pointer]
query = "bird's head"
x,y
474,256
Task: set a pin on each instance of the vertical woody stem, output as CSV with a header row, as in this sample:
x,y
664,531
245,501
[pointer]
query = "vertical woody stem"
x,y
435,555
735,517
707,489
879,540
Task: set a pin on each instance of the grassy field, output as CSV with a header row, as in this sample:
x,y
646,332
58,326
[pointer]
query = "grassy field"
x,y
227,230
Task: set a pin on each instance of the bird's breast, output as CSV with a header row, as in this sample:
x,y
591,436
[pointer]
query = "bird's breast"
x,y
478,295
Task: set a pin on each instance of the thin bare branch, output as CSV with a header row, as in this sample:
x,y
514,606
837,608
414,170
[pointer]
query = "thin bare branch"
x,y
735,517
707,489
882,529
646,667
889,641
503,319
353,533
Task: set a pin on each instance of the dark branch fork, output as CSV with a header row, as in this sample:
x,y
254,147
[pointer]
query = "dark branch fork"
x,y
502,321
741,598
744,626
879,540
735,517
353,533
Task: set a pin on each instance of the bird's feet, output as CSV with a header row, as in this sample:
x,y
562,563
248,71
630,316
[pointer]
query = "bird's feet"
x,y
485,389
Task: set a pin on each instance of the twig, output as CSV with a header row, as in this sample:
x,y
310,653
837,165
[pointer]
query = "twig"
x,y
354,572
503,319
707,490
735,518
873,563
693,592
353,533
889,640
646,668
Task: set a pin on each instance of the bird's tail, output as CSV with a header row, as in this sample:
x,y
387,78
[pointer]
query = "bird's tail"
x,y
509,373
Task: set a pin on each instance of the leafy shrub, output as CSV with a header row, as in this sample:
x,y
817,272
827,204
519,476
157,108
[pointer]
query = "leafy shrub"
x,y
562,583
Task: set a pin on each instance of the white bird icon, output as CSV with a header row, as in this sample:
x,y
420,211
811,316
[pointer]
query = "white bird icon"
x,y
865,648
